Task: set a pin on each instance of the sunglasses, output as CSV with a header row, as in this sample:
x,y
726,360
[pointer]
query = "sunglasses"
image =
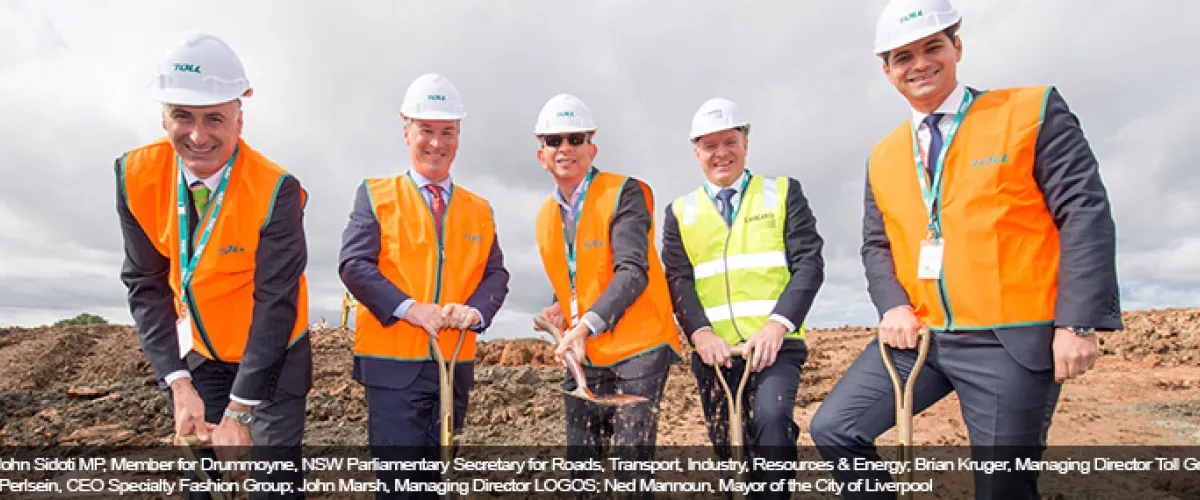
x,y
555,141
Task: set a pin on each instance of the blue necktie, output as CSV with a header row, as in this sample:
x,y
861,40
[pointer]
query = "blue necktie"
x,y
725,198
935,142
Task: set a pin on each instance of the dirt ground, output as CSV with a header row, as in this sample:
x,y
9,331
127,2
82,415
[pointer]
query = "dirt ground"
x,y
91,385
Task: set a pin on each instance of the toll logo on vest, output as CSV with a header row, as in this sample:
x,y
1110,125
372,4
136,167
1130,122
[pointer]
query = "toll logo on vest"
x,y
228,249
593,244
989,161
187,68
473,238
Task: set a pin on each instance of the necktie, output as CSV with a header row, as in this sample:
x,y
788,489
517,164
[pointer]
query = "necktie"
x,y
437,204
725,197
200,194
935,142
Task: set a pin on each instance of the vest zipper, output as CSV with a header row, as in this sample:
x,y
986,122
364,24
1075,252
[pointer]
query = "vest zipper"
x,y
728,288
944,296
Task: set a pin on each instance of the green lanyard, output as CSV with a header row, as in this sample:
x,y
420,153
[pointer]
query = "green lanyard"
x,y
575,212
188,263
931,192
742,191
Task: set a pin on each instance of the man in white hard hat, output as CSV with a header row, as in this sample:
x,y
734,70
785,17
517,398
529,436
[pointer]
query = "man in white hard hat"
x,y
595,234
986,221
420,254
743,262
215,254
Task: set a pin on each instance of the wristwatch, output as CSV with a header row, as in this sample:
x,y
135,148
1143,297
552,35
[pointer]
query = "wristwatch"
x,y
241,417
1082,331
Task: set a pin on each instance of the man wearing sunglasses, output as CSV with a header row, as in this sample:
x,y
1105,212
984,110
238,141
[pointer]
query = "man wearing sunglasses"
x,y
596,238
743,262
420,253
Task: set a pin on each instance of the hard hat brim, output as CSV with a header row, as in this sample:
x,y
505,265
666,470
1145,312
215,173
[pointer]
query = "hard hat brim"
x,y
564,130
910,38
434,115
697,135
188,97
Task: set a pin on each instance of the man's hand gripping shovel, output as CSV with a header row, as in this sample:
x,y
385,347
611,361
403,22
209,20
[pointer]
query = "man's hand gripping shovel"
x,y
904,405
186,443
446,392
581,389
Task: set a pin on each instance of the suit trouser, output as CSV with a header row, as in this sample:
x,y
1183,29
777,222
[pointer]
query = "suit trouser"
x,y
629,431
278,426
1007,408
403,424
768,428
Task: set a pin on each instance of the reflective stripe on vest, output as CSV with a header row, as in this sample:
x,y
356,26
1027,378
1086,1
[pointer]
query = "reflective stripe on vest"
x,y
220,298
1001,258
740,271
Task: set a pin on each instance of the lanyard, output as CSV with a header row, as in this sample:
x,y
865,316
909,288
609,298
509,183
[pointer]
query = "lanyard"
x,y
931,192
575,212
187,264
742,191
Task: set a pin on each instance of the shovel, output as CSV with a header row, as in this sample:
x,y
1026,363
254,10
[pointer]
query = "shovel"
x,y
735,408
446,392
904,405
189,442
581,389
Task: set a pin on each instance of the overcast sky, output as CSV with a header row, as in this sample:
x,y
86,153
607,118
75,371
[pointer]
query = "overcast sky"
x,y
329,78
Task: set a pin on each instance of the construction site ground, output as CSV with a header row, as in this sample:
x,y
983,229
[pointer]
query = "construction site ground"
x,y
91,385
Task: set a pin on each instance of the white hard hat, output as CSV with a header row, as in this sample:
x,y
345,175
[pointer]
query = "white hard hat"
x,y
564,113
200,70
715,115
432,97
906,21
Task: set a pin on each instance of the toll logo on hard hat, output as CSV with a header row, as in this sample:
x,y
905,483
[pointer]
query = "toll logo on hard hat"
x,y
187,68
911,16
570,114
436,97
716,113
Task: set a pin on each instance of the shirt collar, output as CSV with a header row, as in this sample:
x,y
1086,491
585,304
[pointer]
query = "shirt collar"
x,y
211,182
422,181
713,189
948,107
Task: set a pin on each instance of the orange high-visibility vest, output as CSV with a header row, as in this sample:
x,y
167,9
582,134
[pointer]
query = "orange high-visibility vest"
x,y
222,289
649,323
428,269
1000,266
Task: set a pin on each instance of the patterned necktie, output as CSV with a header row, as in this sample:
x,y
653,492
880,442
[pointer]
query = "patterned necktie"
x,y
935,142
725,197
438,205
200,194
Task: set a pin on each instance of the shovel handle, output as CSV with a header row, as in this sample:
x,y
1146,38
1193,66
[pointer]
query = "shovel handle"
x,y
568,359
904,398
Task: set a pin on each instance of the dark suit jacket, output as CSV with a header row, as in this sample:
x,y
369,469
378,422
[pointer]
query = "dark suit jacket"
x,y
359,270
804,245
1069,176
279,262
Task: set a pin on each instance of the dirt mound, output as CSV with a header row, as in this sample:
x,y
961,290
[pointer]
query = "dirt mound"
x,y
92,385
1168,337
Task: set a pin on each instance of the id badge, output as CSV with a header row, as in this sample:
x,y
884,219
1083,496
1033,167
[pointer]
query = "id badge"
x,y
183,332
929,265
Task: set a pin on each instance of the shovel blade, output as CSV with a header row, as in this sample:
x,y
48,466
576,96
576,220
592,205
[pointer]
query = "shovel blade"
x,y
613,400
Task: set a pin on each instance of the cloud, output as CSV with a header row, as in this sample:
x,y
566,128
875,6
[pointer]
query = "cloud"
x,y
329,79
